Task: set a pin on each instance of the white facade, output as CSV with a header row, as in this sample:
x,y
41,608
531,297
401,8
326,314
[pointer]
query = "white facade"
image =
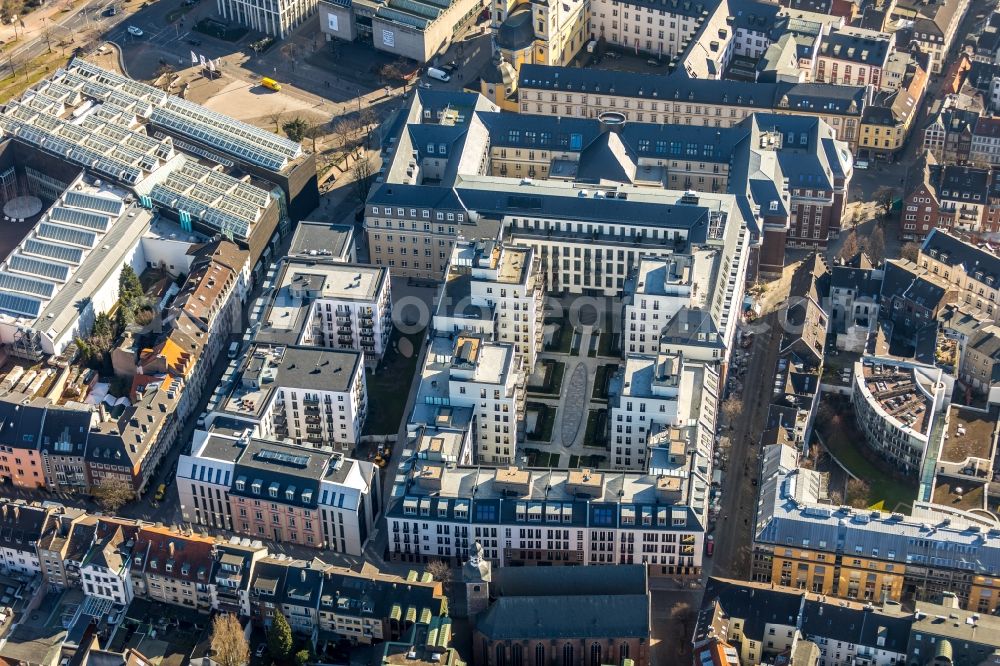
x,y
339,415
308,396
349,306
645,404
496,290
104,583
896,405
327,501
660,288
273,18
469,384
565,518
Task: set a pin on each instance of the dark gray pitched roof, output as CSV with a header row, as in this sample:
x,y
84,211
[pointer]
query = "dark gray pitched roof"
x,y
21,526
65,431
568,581
857,626
518,618
687,325
606,158
856,48
21,425
954,252
756,606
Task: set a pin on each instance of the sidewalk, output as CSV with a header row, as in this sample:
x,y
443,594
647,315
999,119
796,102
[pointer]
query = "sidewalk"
x,y
37,21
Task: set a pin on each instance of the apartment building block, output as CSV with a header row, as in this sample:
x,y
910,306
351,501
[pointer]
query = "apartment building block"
x,y
546,517
932,25
853,56
579,93
495,289
756,623
312,396
644,403
321,303
896,405
972,270
173,568
484,380
269,490
576,195
670,296
234,564
802,541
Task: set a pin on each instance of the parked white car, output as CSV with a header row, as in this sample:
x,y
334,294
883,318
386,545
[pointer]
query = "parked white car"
x,y
134,31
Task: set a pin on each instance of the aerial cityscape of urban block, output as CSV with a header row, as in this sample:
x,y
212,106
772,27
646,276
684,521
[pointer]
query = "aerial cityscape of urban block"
x,y
499,332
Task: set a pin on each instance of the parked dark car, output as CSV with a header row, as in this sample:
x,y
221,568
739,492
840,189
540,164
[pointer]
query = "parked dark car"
x,y
194,42
110,11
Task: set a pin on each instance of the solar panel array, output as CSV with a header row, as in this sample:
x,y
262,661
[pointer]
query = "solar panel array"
x,y
46,269
62,234
46,260
109,205
19,306
219,200
12,282
99,120
71,255
79,218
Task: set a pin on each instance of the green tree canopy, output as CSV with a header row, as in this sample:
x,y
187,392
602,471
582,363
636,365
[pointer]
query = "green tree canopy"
x,y
279,637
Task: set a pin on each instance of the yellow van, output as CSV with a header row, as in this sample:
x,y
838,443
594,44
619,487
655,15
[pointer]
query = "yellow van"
x,y
270,83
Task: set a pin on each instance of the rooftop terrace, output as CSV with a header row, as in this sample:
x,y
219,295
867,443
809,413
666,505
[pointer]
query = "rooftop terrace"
x,y
970,435
898,393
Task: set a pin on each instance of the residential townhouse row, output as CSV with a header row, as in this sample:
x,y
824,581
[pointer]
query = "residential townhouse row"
x,y
117,560
956,197
54,438
752,623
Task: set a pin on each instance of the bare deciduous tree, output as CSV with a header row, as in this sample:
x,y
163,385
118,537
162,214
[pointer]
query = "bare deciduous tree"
x,y
275,117
439,570
731,408
362,172
229,645
857,493
875,245
344,129
910,251
849,248
113,493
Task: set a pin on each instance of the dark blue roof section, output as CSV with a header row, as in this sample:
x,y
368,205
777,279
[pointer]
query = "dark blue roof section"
x,y
810,97
626,211
20,425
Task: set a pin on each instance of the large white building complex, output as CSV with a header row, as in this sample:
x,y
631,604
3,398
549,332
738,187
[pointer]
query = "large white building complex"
x,y
102,171
494,289
545,517
276,18
473,385
593,196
